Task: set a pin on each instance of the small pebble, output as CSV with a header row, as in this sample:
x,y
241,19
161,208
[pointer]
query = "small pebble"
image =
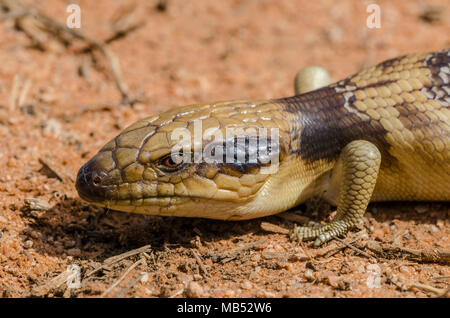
x,y
407,235
269,255
37,204
36,234
74,252
259,247
253,276
265,294
255,258
246,285
51,127
433,229
150,292
309,274
378,234
333,281
194,290
144,277
404,269
28,244
69,243
333,34
298,257
229,293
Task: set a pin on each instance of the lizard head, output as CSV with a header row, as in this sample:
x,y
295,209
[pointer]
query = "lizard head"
x,y
221,161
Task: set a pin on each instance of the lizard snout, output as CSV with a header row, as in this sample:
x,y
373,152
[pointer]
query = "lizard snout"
x,y
91,182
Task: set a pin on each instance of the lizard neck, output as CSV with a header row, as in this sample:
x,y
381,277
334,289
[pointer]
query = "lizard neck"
x,y
326,120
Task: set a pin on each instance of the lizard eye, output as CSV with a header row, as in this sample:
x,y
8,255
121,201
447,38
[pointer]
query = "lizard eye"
x,y
171,162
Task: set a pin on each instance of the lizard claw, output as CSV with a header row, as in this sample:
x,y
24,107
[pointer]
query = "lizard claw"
x,y
320,233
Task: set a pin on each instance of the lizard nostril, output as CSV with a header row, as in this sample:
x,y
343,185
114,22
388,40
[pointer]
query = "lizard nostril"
x,y
96,180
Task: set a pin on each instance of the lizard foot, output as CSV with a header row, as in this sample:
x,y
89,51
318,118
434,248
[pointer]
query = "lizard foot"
x,y
319,233
357,168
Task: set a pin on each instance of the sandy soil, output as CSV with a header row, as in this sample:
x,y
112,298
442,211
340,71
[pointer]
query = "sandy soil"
x,y
58,106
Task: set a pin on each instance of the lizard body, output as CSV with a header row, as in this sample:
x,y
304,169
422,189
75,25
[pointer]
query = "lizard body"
x,y
382,134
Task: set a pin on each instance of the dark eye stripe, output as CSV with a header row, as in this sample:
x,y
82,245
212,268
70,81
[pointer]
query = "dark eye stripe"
x,y
249,150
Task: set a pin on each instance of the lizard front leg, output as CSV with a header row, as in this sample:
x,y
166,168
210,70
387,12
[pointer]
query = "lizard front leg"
x,y
360,162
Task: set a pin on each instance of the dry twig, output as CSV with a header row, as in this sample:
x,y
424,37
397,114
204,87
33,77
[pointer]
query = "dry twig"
x,y
179,292
269,227
117,258
200,263
52,284
139,277
49,171
14,93
359,251
121,278
13,15
395,252
436,291
237,252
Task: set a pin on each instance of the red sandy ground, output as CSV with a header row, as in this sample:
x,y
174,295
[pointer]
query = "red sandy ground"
x,y
191,52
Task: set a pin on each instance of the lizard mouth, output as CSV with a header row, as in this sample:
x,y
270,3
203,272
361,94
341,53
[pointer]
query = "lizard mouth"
x,y
93,185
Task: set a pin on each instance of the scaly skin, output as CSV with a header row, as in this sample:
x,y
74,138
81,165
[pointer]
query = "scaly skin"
x,y
380,135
